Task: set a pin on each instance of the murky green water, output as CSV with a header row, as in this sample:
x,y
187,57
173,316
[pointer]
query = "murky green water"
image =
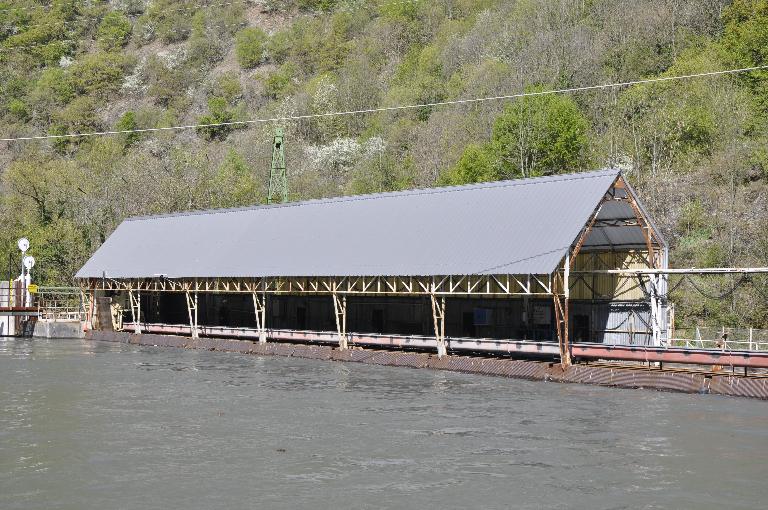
x,y
104,426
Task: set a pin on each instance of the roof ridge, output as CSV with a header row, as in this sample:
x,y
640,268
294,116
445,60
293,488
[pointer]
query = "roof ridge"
x,y
410,192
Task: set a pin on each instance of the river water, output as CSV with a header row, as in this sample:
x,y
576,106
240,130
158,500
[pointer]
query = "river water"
x,y
88,425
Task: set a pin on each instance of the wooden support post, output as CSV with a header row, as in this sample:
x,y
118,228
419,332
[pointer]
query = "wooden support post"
x,y
87,302
260,309
135,300
192,311
91,307
561,324
83,307
340,311
438,317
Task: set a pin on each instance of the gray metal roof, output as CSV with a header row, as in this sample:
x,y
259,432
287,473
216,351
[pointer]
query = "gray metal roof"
x,y
520,227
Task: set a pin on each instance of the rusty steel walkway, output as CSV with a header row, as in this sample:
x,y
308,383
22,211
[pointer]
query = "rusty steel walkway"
x,y
519,348
597,373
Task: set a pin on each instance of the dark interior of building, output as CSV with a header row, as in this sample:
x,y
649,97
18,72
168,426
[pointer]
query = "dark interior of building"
x,y
519,319
465,317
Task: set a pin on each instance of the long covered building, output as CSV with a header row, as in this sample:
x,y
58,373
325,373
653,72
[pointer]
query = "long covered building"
x,y
505,266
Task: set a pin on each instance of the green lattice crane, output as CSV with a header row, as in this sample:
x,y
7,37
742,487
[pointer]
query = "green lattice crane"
x,y
278,181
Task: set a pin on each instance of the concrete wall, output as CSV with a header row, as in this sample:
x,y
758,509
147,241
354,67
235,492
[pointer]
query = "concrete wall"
x,y
58,329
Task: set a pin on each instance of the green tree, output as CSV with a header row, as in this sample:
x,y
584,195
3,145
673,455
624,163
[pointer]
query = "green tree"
x,y
746,39
540,135
477,164
234,183
419,79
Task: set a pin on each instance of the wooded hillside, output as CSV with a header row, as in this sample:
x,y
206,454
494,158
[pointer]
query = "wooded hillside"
x,y
696,149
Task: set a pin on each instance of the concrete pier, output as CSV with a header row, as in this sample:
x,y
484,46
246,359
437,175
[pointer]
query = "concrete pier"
x,y
58,328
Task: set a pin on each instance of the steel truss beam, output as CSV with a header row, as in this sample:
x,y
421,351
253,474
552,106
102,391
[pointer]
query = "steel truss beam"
x,y
460,286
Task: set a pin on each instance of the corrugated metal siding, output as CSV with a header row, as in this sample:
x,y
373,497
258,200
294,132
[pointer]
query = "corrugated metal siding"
x,y
516,227
614,323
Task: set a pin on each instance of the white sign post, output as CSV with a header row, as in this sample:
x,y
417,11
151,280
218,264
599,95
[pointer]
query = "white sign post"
x,y
27,263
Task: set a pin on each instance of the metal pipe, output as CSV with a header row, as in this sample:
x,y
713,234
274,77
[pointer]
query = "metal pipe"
x,y
692,270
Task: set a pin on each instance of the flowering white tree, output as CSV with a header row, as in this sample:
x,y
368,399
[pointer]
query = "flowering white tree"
x,y
335,159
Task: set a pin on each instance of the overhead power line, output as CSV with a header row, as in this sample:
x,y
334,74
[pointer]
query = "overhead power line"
x,y
476,100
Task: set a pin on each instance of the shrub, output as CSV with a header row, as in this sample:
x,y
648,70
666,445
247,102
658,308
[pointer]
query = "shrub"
x,y
228,86
18,109
78,117
235,183
317,5
249,47
165,85
99,73
114,31
280,82
219,112
126,123
279,46
204,51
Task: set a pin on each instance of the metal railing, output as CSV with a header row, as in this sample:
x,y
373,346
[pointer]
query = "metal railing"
x,y
60,303
738,339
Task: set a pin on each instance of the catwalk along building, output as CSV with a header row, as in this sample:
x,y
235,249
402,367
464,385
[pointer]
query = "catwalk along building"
x,y
528,266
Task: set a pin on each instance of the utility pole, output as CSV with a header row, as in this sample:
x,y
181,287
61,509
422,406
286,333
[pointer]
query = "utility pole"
x,y
278,181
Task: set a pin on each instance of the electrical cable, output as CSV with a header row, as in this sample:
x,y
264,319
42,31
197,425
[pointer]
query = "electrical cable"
x,y
725,294
488,271
476,100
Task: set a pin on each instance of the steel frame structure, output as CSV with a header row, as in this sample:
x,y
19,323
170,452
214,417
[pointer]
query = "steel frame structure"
x,y
620,191
556,285
501,285
278,180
